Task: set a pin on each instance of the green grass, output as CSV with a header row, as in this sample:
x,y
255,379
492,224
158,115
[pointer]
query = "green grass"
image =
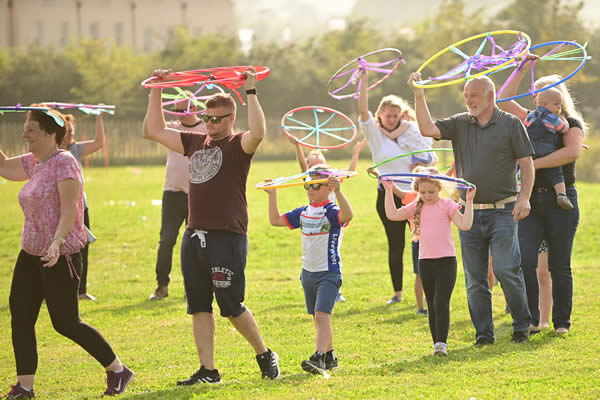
x,y
384,351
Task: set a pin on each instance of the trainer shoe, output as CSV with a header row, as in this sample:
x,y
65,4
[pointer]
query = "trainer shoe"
x,y
520,337
561,331
86,296
394,300
160,293
440,349
339,298
269,364
116,382
203,375
533,329
331,361
563,202
315,364
422,311
18,392
483,341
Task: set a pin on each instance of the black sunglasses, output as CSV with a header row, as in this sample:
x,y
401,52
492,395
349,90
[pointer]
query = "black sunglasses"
x,y
314,186
213,118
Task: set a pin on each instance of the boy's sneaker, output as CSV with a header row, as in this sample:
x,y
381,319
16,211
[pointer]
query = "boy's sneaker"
x,y
116,382
440,349
315,364
269,364
203,375
339,298
394,300
422,311
18,392
563,202
331,361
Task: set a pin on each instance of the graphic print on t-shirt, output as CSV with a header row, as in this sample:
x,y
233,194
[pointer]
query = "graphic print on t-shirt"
x,y
204,164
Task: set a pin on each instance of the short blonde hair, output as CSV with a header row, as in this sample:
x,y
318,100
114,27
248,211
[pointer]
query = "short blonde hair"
x,y
396,102
567,108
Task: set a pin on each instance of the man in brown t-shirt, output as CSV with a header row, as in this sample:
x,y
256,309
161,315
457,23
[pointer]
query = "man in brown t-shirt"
x,y
214,246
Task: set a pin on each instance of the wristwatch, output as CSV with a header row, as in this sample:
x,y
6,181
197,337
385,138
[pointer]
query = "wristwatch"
x,y
251,91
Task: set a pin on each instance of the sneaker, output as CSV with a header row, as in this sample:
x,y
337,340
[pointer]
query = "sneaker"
x,y
563,202
116,382
269,364
203,375
422,311
483,341
520,337
18,392
394,300
561,331
86,296
339,298
533,329
160,293
440,349
331,361
315,364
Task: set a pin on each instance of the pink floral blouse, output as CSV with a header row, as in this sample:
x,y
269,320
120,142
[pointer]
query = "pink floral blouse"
x,y
40,202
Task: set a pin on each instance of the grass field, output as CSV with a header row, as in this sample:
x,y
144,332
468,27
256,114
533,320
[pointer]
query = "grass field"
x,y
384,351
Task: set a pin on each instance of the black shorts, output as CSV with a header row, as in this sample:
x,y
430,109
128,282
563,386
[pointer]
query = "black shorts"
x,y
214,262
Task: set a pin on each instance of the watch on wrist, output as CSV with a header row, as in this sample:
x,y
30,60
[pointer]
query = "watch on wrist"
x,y
251,91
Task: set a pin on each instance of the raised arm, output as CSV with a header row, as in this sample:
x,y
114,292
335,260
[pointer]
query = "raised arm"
x,y
464,221
299,154
511,89
346,213
522,205
91,146
12,168
356,154
274,217
69,191
426,124
393,213
256,118
363,97
154,127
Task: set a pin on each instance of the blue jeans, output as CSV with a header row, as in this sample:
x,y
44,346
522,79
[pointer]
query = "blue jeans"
x,y
558,227
494,229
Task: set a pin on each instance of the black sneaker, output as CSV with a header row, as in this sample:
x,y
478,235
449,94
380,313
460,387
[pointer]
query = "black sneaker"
x,y
315,364
18,392
269,364
520,337
331,361
483,341
116,382
203,375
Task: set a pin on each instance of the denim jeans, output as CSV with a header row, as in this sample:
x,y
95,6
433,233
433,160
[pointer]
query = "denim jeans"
x,y
174,213
494,229
558,227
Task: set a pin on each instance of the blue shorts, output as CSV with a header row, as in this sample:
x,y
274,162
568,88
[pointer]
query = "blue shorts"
x,y
320,290
214,263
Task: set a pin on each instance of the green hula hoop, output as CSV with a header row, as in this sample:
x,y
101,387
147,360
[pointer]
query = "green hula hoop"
x,y
400,156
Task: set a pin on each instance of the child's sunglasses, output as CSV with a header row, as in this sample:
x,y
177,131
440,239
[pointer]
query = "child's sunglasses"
x,y
213,118
314,186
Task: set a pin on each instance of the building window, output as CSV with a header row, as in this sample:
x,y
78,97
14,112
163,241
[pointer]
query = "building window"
x,y
119,33
148,40
64,34
38,36
95,30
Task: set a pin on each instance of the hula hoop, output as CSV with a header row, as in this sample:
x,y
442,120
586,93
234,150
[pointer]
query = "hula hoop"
x,y
194,100
318,129
409,177
230,77
95,109
552,55
369,170
19,108
300,179
354,73
477,61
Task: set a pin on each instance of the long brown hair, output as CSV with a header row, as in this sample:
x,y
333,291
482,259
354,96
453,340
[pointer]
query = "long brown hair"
x,y
415,186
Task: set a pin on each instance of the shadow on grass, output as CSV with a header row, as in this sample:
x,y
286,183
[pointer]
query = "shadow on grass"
x,y
145,306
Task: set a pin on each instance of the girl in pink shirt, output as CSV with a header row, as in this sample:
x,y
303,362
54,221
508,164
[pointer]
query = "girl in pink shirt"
x,y
49,263
433,217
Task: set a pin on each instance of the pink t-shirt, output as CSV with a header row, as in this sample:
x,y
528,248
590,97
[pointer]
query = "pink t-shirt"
x,y
435,240
40,202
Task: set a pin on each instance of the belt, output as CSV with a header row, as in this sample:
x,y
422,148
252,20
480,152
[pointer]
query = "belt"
x,y
496,204
542,190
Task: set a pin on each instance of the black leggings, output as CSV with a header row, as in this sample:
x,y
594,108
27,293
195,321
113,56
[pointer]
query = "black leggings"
x,y
31,285
395,232
84,257
438,276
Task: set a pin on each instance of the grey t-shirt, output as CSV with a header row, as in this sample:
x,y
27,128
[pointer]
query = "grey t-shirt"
x,y
77,150
487,155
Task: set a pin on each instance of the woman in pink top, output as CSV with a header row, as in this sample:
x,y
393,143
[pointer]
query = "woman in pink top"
x,y
433,217
49,263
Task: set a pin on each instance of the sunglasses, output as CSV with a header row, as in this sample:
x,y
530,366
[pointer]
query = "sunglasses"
x,y
213,118
314,186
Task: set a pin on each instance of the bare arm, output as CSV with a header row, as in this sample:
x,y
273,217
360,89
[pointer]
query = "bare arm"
x,y
346,213
363,97
465,221
69,191
522,206
511,89
91,146
356,154
300,155
399,193
393,213
12,168
426,124
573,141
398,132
154,123
274,217
256,118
